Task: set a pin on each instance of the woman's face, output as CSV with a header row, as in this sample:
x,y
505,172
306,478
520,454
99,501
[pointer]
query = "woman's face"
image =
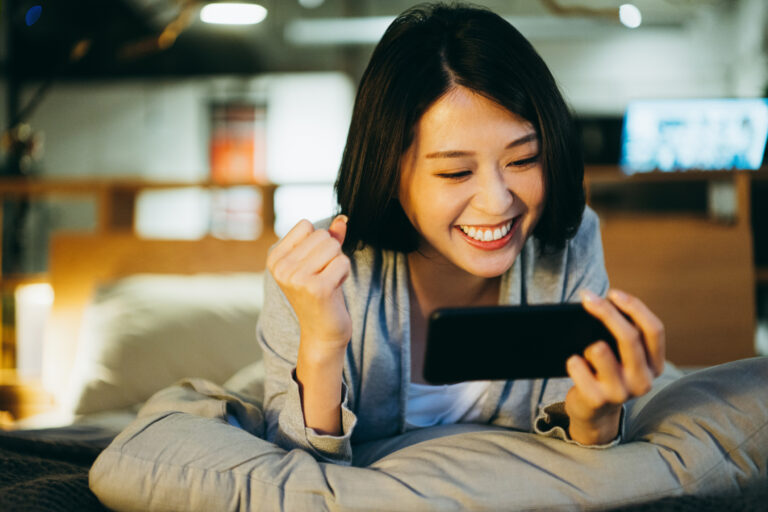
x,y
471,182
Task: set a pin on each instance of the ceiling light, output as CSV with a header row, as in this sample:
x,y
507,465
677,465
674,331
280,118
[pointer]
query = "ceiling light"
x,y
630,16
311,4
233,13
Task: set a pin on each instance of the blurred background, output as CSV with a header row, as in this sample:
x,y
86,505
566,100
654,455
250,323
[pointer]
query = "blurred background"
x,y
165,120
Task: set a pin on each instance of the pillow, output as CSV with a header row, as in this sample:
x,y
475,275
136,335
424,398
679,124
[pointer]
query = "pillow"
x,y
704,434
144,332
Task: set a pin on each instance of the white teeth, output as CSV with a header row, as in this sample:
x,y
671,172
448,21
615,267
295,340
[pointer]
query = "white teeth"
x,y
487,235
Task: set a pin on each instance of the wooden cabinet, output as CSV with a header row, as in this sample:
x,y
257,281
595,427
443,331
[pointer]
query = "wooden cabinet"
x,y
21,398
694,264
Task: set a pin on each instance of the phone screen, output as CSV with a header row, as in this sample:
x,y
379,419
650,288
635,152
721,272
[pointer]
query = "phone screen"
x,y
508,342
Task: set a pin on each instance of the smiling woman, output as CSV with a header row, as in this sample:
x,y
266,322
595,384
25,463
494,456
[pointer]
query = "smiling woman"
x,y
461,185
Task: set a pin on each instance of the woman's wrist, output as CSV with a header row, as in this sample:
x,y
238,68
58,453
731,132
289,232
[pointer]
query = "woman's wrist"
x,y
600,429
320,353
319,375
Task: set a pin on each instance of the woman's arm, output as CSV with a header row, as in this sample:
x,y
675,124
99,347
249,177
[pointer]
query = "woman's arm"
x,y
319,378
304,332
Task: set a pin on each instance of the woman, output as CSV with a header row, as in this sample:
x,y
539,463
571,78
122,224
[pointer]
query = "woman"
x,y
461,184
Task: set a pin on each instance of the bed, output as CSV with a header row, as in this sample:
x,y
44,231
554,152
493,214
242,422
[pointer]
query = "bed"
x,y
152,342
95,332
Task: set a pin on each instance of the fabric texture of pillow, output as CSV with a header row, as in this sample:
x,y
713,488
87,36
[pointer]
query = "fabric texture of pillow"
x,y
145,332
702,434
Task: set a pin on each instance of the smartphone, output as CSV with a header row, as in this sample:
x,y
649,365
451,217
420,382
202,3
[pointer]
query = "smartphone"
x,y
508,342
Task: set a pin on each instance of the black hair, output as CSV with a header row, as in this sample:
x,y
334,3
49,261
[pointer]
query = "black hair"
x,y
425,52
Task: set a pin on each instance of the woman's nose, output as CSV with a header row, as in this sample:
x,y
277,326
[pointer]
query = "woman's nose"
x,y
493,196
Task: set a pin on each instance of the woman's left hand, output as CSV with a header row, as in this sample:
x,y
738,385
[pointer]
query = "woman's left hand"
x,y
601,382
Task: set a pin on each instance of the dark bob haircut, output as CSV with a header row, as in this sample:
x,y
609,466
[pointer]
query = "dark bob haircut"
x,y
425,52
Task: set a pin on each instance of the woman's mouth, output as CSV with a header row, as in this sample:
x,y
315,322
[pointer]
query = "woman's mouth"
x,y
490,238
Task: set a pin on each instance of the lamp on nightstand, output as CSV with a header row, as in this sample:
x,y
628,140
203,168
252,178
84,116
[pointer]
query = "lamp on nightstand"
x,y
26,306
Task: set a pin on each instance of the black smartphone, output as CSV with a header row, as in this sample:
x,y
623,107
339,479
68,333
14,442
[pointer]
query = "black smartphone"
x,y
508,342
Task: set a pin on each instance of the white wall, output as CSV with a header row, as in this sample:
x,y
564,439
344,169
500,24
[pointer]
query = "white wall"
x,y
717,54
160,128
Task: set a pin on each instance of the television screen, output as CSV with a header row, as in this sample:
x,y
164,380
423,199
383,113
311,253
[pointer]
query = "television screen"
x,y
706,134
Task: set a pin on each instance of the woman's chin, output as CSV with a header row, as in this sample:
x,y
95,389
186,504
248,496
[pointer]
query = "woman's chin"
x,y
489,267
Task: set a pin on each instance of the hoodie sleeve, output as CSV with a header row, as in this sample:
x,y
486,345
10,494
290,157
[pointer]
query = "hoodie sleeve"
x,y
277,332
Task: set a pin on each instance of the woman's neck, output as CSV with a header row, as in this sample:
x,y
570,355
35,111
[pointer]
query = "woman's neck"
x,y
436,282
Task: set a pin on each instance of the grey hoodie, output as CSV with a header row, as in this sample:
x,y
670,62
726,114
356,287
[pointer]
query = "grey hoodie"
x,y
377,365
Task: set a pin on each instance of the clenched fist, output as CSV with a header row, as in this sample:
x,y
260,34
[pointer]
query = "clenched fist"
x,y
310,268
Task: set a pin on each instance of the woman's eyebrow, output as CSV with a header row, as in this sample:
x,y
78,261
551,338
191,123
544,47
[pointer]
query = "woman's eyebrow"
x,y
457,153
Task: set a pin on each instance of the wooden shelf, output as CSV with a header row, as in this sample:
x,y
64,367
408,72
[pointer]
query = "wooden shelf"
x,y
88,185
664,242
116,197
613,173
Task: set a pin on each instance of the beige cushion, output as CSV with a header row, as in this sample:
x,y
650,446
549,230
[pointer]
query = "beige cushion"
x,y
705,433
145,332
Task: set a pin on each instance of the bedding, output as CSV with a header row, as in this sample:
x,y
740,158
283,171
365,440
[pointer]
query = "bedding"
x,y
48,469
702,436
696,443
145,332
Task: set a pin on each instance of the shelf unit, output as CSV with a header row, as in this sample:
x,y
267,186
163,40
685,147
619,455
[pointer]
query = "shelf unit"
x,y
116,198
691,261
115,206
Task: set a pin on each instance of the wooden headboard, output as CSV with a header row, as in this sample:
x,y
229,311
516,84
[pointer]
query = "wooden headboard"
x,y
80,262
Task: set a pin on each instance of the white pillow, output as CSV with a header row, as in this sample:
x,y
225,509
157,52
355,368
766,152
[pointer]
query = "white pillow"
x,y
145,332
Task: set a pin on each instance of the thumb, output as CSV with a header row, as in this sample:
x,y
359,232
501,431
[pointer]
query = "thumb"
x,y
338,228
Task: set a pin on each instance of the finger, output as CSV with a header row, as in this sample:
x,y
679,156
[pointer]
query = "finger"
x,y
317,258
337,270
607,371
338,228
299,232
650,324
637,373
305,251
583,378
292,265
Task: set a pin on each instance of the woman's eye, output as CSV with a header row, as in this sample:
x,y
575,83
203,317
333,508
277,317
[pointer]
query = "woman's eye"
x,y
455,175
524,162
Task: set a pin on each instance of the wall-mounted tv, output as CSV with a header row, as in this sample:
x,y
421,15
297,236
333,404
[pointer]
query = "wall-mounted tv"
x,y
705,134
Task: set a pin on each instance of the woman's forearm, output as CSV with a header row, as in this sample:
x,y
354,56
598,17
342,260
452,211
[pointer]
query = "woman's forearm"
x,y
319,374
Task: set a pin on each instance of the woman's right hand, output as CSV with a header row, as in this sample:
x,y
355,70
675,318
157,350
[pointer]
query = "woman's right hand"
x,y
310,268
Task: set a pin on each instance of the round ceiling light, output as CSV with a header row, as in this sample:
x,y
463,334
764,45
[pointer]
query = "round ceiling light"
x,y
630,16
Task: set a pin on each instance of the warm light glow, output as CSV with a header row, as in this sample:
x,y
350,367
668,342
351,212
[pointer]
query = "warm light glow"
x,y
233,13
39,294
33,306
630,16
